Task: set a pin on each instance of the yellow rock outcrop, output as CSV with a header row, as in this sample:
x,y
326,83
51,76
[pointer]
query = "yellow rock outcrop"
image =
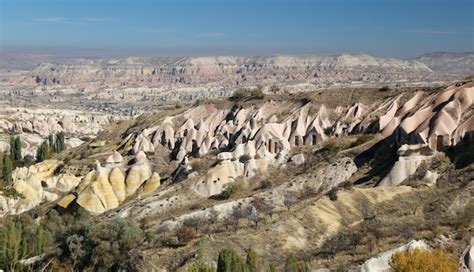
x,y
151,184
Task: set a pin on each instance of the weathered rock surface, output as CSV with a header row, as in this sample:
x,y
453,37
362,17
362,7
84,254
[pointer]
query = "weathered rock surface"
x,y
106,187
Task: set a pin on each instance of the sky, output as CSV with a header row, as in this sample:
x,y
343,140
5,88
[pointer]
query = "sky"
x,y
396,28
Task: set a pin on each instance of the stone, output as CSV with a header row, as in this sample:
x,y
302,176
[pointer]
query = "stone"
x,y
298,159
66,201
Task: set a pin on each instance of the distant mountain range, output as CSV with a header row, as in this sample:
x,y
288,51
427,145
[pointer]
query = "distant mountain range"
x,y
229,72
451,63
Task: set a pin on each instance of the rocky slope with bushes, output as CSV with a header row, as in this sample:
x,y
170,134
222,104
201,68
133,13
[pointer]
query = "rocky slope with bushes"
x,y
318,180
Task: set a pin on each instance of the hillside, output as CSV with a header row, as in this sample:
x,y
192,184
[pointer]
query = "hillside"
x,y
334,177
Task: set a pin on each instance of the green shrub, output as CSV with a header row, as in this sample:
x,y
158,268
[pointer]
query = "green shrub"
x,y
12,192
88,245
229,261
228,191
59,143
201,267
334,145
328,131
462,154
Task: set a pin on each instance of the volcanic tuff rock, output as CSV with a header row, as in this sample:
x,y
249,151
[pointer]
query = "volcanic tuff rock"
x,y
248,140
257,137
426,122
102,189
37,184
35,125
106,187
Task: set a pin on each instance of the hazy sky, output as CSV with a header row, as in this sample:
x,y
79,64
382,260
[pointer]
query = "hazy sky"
x,y
401,28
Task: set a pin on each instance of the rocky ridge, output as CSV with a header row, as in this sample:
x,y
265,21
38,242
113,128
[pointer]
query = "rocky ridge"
x,y
227,72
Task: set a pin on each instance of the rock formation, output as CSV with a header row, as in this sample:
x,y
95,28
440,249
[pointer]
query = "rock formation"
x,y
36,184
106,187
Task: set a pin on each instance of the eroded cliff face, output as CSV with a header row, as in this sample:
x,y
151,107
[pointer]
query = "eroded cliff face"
x,y
227,71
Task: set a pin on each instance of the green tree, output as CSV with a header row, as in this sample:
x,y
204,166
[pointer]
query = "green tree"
x,y
52,143
200,264
12,147
60,146
230,261
7,169
254,261
21,238
42,152
15,148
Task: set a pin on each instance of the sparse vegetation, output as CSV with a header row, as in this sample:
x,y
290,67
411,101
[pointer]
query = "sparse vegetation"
x,y
328,131
74,240
12,192
186,234
228,191
334,145
244,94
363,139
